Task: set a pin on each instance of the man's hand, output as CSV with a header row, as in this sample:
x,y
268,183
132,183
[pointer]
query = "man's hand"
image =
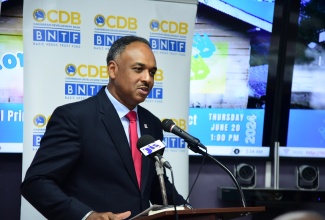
x,y
187,206
108,216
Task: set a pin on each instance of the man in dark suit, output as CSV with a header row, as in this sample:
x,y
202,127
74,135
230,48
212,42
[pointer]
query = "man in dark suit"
x,y
84,167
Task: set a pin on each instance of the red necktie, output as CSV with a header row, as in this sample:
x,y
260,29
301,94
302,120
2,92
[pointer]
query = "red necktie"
x,y
133,135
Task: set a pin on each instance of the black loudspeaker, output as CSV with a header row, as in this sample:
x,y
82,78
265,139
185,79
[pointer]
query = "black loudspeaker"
x,y
245,175
307,177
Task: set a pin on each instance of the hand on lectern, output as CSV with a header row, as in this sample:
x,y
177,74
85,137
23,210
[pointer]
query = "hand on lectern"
x,y
187,206
108,216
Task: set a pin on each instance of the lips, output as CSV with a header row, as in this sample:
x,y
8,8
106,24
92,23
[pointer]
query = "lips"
x,y
144,90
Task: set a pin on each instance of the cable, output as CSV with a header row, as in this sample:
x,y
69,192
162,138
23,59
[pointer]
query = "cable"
x,y
196,149
174,193
204,156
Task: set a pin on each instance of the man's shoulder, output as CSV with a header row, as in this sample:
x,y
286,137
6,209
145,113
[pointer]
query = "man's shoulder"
x,y
79,107
86,100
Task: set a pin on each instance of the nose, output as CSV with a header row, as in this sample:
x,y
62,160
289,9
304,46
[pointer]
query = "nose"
x,y
146,76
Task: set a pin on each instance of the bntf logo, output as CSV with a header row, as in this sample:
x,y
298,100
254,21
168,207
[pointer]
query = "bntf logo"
x,y
119,22
84,70
171,27
57,16
39,121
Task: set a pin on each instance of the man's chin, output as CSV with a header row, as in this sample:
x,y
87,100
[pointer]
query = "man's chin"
x,y
141,99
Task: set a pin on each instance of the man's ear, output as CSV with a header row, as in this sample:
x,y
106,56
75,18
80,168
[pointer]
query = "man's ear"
x,y
112,68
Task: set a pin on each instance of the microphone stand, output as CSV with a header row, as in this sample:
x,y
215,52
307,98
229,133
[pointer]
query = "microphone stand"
x,y
196,149
160,173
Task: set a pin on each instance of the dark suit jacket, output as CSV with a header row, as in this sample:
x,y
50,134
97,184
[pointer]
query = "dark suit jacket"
x,y
84,163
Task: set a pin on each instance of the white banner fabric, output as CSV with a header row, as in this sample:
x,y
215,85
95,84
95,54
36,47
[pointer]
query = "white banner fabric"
x,y
65,46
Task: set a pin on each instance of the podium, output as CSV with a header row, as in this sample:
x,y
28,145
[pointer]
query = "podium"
x,y
206,214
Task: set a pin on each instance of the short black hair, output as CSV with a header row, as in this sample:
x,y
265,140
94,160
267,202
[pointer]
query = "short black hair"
x,y
119,45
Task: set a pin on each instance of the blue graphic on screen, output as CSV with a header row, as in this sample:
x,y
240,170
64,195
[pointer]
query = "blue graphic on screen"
x,y
204,45
11,123
306,128
10,61
227,127
263,10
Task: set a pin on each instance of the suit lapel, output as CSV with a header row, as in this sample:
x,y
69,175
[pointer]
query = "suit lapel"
x,y
115,130
145,160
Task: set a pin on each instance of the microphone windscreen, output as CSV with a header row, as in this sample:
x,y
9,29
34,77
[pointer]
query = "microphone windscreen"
x,y
167,124
145,140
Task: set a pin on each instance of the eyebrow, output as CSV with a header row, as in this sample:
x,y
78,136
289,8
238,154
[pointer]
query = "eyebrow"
x,y
144,65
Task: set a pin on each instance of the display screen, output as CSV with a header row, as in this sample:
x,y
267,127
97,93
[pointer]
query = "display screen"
x,y
11,93
11,77
306,128
229,71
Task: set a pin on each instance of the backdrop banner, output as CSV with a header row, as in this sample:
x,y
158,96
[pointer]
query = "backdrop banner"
x,y
65,48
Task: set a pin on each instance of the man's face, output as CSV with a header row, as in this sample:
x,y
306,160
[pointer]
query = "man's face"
x,y
132,74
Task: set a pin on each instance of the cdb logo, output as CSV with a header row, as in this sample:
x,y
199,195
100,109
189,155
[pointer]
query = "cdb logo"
x,y
171,27
57,16
84,70
119,22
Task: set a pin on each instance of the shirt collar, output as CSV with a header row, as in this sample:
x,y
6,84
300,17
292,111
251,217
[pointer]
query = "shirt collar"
x,y
120,108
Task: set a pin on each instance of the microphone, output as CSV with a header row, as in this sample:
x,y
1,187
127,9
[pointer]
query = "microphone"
x,y
153,149
169,126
